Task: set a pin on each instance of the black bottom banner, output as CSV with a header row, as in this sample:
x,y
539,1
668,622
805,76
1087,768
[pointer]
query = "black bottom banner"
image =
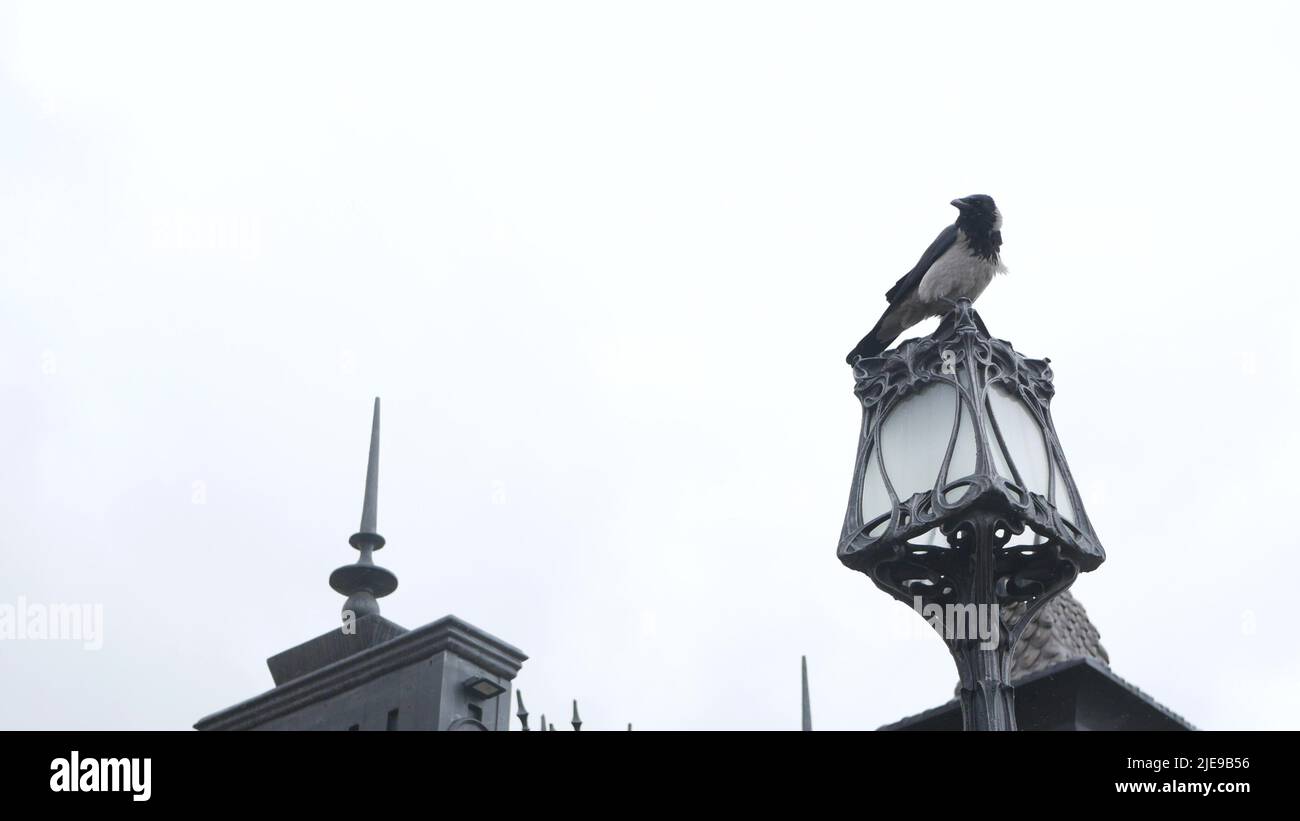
x,y
525,772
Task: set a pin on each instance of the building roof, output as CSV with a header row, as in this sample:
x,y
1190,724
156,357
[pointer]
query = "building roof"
x,y
354,669
1078,694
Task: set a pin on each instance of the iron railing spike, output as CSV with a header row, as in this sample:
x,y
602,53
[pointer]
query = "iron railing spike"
x,y
523,713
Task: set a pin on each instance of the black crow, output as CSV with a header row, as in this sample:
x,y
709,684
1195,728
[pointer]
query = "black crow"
x,y
959,263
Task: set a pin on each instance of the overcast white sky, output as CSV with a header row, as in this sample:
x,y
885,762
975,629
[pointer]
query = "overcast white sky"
x,y
602,262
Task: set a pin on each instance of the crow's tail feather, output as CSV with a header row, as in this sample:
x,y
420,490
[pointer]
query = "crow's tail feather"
x,y
869,346
873,344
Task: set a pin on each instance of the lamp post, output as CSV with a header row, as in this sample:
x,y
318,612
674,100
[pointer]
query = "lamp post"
x,y
962,501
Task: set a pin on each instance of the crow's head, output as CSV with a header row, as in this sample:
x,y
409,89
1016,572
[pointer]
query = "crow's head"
x,y
978,213
981,222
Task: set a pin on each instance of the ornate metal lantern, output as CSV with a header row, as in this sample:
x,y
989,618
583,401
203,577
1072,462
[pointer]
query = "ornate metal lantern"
x,y
962,501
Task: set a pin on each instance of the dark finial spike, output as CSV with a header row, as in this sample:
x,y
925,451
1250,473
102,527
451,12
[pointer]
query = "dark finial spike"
x,y
577,722
629,726
370,507
523,714
552,728
365,582
807,702
543,728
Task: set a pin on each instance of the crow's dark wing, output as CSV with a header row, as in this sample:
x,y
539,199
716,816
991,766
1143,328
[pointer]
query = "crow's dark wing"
x,y
912,278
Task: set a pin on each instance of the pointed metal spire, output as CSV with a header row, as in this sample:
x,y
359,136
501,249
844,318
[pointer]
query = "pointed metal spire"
x,y
577,722
523,714
543,728
370,504
807,702
364,582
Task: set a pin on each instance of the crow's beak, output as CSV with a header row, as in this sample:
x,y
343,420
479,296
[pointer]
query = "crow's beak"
x,y
958,203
